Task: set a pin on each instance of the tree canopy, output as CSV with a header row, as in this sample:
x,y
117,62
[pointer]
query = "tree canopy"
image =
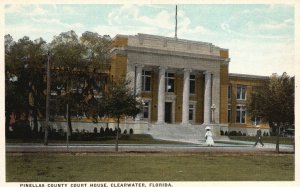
x,y
274,101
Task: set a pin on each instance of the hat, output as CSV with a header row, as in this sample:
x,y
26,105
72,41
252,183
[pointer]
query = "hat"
x,y
207,128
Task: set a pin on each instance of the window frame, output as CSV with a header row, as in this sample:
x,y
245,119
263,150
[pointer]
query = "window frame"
x,y
146,77
241,90
168,79
192,80
240,114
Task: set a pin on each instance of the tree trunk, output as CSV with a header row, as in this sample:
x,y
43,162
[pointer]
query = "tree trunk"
x,y
7,119
117,137
277,139
35,121
70,123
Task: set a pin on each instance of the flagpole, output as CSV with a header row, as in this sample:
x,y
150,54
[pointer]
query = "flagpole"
x,y
176,23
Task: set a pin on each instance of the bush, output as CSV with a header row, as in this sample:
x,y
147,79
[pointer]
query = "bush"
x,y
22,129
232,133
130,131
95,130
226,133
244,134
106,132
102,133
222,133
125,132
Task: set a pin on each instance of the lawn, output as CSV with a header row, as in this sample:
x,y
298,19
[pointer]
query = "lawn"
x,y
52,167
265,139
130,139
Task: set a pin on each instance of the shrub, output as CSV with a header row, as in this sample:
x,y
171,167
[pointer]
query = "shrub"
x,y
22,129
125,132
232,133
130,131
95,130
226,133
106,132
111,132
244,134
102,133
222,133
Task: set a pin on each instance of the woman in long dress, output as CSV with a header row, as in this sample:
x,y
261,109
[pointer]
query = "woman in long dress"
x,y
208,136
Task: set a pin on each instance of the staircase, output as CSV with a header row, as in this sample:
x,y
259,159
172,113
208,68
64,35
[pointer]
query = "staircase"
x,y
183,133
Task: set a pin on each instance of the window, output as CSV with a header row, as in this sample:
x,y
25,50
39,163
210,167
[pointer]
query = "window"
x,y
169,82
192,84
145,110
146,80
191,112
240,114
241,92
229,91
229,113
256,120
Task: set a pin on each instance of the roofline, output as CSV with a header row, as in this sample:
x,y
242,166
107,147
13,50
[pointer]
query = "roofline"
x,y
169,38
247,76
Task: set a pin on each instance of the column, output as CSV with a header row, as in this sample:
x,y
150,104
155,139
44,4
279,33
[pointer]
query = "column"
x,y
207,97
138,85
186,97
161,96
138,88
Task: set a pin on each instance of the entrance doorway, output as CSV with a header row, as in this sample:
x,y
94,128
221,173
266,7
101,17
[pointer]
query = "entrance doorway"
x,y
168,112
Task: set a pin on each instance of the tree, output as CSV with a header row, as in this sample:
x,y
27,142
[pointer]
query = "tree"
x,y
274,102
24,67
78,65
120,102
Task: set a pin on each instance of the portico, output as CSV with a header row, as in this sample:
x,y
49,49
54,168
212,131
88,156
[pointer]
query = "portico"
x,y
178,80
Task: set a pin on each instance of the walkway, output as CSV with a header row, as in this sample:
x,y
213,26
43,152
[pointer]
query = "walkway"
x,y
230,147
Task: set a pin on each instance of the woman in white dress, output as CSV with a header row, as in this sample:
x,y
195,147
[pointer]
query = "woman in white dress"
x,y
208,136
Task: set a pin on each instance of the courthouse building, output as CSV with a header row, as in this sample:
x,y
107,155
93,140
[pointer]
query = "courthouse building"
x,y
184,82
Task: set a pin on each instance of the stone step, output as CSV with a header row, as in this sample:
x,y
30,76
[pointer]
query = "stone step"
x,y
177,132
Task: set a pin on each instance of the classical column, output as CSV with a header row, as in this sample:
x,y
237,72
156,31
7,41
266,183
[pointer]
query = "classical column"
x,y
138,84
161,96
207,97
186,97
138,88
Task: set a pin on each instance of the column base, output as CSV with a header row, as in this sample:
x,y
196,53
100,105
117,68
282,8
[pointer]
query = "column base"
x,y
160,123
185,124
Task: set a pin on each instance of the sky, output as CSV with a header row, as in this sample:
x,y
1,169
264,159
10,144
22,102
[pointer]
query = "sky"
x,y
260,37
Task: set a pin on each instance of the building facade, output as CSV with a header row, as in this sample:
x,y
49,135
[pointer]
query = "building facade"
x,y
184,82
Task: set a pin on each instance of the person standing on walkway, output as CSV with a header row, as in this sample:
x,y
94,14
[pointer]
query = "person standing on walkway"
x,y
258,137
208,136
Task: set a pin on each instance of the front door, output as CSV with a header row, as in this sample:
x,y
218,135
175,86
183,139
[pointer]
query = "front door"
x,y
168,112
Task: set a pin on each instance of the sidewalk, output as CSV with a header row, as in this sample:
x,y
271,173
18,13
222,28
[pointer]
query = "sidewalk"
x,y
200,147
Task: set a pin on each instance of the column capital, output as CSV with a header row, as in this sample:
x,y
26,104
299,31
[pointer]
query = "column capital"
x,y
187,69
207,72
162,67
139,65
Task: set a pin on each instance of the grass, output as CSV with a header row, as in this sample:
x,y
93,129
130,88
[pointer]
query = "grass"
x,y
148,167
265,139
131,139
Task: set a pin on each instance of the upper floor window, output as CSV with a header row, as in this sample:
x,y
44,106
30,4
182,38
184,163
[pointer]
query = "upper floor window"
x,y
170,82
229,91
241,92
192,84
146,80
